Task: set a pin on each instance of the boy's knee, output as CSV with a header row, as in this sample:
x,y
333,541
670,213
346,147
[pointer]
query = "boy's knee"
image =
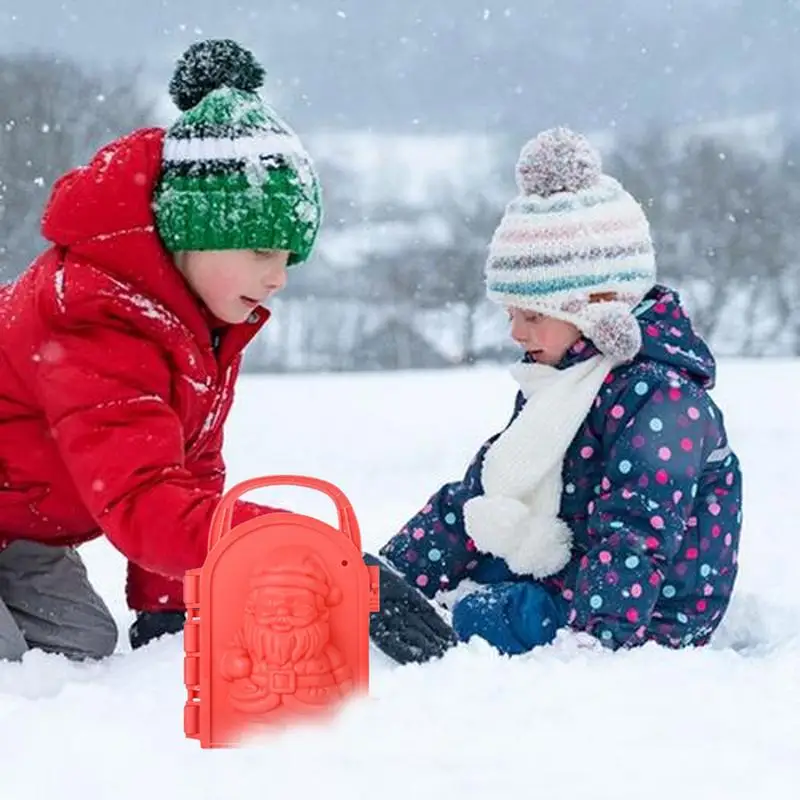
x,y
102,641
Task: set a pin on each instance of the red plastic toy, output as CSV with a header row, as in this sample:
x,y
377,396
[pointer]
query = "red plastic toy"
x,y
277,625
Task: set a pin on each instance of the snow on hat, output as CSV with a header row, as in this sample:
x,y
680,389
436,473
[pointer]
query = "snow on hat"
x,y
235,176
573,244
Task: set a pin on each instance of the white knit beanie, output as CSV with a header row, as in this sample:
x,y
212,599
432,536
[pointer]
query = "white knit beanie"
x,y
573,244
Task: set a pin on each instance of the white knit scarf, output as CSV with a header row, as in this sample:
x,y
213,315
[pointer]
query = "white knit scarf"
x,y
517,516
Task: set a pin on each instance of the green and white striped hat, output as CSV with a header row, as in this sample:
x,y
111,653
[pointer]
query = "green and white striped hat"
x,y
235,176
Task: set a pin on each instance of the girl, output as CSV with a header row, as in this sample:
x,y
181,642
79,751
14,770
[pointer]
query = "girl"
x,y
611,502
120,347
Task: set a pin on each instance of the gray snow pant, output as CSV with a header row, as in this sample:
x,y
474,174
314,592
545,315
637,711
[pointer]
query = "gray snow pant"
x,y
47,603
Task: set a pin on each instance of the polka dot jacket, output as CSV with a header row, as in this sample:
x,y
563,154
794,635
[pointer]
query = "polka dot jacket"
x,y
652,492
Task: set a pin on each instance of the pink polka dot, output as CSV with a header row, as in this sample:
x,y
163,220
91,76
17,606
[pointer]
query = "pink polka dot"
x,y
708,590
693,413
652,543
471,546
714,509
605,484
573,615
587,452
657,522
618,412
691,522
638,441
716,531
674,394
728,540
677,496
584,562
655,579
692,553
612,578
662,477
636,590
418,533
604,556
664,453
632,615
627,494
687,445
652,331
702,605
422,580
643,481
660,308
640,631
568,594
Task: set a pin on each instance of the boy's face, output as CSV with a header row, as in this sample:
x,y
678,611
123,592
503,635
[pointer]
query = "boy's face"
x,y
547,339
233,282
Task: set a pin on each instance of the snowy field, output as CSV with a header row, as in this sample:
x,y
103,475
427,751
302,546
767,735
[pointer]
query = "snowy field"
x,y
718,723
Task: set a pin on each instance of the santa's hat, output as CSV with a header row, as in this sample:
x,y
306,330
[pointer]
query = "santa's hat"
x,y
294,568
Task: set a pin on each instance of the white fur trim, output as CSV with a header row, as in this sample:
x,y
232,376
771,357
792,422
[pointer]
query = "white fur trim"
x,y
530,545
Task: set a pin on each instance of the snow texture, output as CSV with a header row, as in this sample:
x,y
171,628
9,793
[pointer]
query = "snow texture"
x,y
718,722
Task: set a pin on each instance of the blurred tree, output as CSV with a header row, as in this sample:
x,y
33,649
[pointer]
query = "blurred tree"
x,y
53,115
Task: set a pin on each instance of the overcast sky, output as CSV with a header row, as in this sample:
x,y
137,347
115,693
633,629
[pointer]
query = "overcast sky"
x,y
436,65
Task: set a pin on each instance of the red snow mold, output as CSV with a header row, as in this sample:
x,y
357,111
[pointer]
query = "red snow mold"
x,y
277,627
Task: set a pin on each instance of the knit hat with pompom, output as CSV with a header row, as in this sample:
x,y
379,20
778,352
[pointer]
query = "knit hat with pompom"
x,y
573,244
235,176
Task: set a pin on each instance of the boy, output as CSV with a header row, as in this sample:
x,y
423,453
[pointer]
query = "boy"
x,y
120,347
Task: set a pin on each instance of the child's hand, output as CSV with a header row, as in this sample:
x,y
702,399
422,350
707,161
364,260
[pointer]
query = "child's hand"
x,y
514,617
407,628
150,625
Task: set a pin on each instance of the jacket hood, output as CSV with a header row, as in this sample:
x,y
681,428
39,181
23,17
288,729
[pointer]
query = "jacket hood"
x,y
668,337
102,213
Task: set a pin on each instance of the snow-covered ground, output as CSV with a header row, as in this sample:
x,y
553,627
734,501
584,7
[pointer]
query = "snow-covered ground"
x,y
722,722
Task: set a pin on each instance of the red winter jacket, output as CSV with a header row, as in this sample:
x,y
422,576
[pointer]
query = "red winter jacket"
x,y
112,393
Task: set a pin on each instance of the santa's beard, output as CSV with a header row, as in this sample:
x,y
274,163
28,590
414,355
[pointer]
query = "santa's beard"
x,y
278,648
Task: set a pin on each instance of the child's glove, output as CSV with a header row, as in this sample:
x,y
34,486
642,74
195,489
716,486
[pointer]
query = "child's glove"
x,y
513,617
407,628
150,625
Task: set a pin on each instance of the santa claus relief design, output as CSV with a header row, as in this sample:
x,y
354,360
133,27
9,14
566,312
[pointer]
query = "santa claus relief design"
x,y
283,655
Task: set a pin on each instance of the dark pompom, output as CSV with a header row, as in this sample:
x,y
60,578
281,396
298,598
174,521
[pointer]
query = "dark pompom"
x,y
209,65
557,160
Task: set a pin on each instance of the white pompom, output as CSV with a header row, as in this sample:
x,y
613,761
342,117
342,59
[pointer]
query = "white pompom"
x,y
558,160
530,545
494,523
545,547
617,334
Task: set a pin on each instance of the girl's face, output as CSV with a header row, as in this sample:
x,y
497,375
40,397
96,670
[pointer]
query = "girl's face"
x,y
233,282
546,339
